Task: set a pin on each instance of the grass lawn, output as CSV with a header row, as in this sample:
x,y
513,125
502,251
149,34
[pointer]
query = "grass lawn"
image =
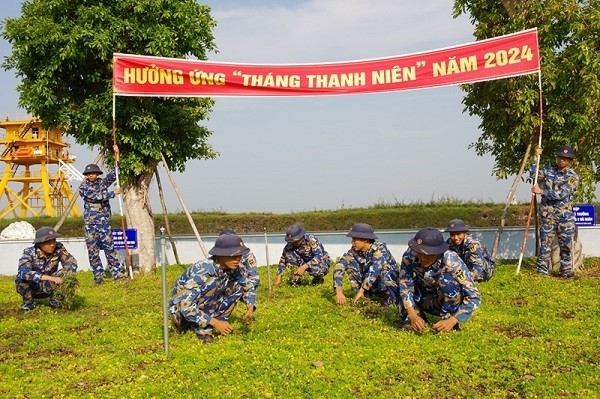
x,y
532,337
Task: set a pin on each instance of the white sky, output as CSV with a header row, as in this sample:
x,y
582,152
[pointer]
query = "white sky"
x,y
314,153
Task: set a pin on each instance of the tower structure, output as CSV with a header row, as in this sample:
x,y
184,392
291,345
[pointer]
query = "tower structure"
x,y
33,182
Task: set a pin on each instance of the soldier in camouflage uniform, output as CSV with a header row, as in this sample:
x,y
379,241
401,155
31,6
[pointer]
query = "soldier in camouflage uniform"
x,y
435,280
38,272
556,184
248,269
206,293
96,196
303,253
366,264
472,251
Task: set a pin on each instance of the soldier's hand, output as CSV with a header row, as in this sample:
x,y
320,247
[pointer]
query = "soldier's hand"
x,y
117,190
300,270
277,281
359,294
221,326
536,189
416,322
57,280
248,317
445,325
341,298
538,151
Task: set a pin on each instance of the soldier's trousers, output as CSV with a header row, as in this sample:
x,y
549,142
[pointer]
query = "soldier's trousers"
x,y
30,290
564,231
355,277
444,301
294,260
218,305
97,238
483,273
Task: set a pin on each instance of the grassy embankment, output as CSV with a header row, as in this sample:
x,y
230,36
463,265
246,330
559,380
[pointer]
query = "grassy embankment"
x,y
381,217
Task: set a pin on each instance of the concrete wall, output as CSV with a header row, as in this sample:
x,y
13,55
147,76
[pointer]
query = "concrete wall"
x,y
335,243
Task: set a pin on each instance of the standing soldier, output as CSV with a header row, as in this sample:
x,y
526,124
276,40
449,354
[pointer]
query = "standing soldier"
x,y
96,217
367,262
556,184
303,253
435,280
206,293
38,273
249,270
472,251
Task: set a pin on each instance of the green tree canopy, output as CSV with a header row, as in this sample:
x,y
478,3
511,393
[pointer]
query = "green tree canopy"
x,y
569,40
62,52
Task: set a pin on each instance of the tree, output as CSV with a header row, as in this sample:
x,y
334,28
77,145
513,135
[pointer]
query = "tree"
x,y
62,50
569,41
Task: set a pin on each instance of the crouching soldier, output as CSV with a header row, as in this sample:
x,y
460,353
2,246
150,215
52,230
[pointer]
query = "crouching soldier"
x,y
366,263
38,273
303,253
206,293
435,280
470,250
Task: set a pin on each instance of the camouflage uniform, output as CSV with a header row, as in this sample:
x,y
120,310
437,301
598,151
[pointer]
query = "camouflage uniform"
x,y
33,265
311,252
365,269
205,291
557,217
476,256
445,288
96,217
249,270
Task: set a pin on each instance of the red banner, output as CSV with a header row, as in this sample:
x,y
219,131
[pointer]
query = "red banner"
x,y
501,57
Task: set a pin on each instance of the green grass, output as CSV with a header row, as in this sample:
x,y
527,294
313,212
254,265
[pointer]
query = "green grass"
x,y
533,337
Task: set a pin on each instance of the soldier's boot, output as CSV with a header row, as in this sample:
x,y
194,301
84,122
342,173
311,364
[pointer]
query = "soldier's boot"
x,y
204,334
318,280
27,306
54,304
180,324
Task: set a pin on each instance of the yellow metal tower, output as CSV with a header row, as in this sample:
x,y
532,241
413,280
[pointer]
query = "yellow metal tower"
x,y
33,156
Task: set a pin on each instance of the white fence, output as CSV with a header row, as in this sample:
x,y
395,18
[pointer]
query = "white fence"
x,y
336,244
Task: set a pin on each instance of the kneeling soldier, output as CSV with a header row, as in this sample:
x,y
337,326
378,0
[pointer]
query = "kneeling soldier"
x,y
38,273
206,293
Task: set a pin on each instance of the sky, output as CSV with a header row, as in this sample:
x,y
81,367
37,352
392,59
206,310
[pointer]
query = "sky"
x,y
325,153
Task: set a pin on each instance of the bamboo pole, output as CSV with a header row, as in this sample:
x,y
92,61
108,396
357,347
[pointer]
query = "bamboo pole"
x,y
187,213
166,216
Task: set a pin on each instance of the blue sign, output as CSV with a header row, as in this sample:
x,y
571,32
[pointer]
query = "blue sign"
x,y
119,243
585,214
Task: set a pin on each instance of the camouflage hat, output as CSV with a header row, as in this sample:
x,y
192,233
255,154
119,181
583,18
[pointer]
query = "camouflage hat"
x,y
428,241
362,230
565,152
44,234
229,245
294,233
92,168
456,226
227,231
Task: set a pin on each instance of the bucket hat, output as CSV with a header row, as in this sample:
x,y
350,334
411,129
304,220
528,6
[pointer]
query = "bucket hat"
x,y
92,168
428,241
294,233
227,231
362,230
229,245
456,226
565,152
44,234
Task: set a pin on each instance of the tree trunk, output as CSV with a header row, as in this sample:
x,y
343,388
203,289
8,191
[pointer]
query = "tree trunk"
x,y
139,216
